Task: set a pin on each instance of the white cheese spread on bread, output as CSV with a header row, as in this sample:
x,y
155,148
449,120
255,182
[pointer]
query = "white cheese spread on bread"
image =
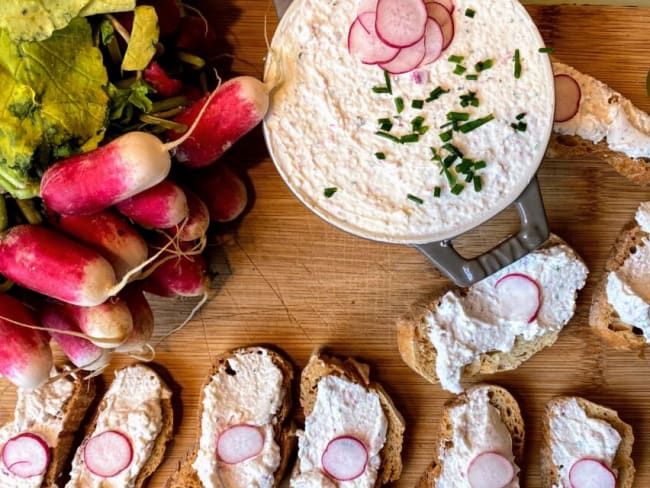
x,y
477,428
574,435
341,408
475,321
248,390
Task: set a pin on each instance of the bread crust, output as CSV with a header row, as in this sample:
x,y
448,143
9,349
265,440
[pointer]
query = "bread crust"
x,y
622,461
185,476
510,414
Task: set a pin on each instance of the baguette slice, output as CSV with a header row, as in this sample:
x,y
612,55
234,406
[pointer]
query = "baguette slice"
x,y
623,462
72,413
511,417
186,476
321,365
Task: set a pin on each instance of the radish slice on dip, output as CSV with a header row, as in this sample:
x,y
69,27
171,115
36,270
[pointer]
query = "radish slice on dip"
x,y
438,12
520,296
448,4
108,454
407,60
433,42
400,23
590,473
490,470
345,458
239,443
364,44
567,98
26,455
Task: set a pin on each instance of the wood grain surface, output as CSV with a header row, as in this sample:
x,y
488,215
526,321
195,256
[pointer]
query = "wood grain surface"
x,y
283,276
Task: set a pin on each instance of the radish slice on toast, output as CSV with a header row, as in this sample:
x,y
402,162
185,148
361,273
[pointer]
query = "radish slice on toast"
x,y
567,98
400,23
26,455
406,60
239,443
108,454
365,45
345,458
438,12
520,296
433,42
490,470
591,473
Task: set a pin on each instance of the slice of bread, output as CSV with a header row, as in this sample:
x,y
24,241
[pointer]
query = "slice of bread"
x,y
186,476
419,353
509,411
622,463
320,365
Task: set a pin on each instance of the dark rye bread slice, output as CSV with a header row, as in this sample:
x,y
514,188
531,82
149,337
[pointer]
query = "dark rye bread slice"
x,y
418,352
511,417
623,462
321,365
186,477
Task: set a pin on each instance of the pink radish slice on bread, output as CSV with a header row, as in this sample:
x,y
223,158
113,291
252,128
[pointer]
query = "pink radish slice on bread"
x,y
567,98
490,470
26,455
591,473
108,454
520,296
345,458
239,443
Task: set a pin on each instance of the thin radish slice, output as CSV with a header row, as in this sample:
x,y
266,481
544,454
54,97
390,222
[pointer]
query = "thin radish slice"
x,y
406,60
400,23
591,473
437,11
108,454
520,296
366,46
26,455
448,4
239,443
345,458
433,42
367,6
490,470
567,98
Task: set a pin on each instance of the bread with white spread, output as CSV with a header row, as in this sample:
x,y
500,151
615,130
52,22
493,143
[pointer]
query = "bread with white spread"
x,y
250,387
461,333
576,429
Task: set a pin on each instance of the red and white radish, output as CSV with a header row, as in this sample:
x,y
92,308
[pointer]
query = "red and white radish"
x,y
365,45
591,473
161,81
223,191
520,296
108,454
400,23
407,60
490,470
178,276
108,324
567,98
433,42
197,222
161,206
25,355
143,319
238,106
448,4
239,443
438,12
345,458
26,455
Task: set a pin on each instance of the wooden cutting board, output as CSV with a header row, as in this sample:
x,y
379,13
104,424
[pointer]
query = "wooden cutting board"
x,y
285,277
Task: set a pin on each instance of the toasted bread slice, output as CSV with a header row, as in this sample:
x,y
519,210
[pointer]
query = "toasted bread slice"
x,y
186,476
157,400
321,365
622,463
420,354
78,394
509,412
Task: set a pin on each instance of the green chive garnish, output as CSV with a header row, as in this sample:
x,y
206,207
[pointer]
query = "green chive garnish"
x,y
455,59
328,192
478,184
388,136
435,94
459,69
450,177
521,126
469,177
415,199
521,116
434,154
548,50
380,155
461,116
469,99
416,123
475,124
380,89
409,138
470,13
517,61
479,165
471,77
484,65
389,87
422,130
446,136
399,104
417,103
436,192
385,124
453,149
457,189
465,167
449,160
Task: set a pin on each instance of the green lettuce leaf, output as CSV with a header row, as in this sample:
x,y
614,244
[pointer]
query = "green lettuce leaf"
x,y
144,37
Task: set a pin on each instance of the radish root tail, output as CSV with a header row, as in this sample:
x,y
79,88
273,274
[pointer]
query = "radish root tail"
x,y
190,316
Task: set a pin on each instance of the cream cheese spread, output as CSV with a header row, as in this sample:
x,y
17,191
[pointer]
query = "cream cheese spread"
x,y
341,408
574,435
248,390
39,411
465,325
132,406
477,427
324,115
606,114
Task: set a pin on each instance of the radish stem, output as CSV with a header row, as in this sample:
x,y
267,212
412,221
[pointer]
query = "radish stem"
x,y
119,28
29,211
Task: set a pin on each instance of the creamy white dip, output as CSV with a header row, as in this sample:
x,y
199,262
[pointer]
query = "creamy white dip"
x,y
341,408
464,326
132,405
38,411
248,390
477,427
628,288
574,435
606,114
324,114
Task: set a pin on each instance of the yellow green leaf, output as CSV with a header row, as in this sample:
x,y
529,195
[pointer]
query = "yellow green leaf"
x,y
144,37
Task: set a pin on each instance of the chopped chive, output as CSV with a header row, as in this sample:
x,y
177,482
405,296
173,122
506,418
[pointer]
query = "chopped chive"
x,y
328,192
465,167
399,104
548,50
475,124
380,89
521,116
436,192
477,183
386,126
450,177
380,155
422,130
388,136
446,136
434,154
435,94
484,65
417,104
449,160
459,69
389,86
461,116
415,199
447,124
470,13
521,126
517,61
457,189
383,121
479,165
453,149
416,123
469,177
455,59
469,99
409,138
471,77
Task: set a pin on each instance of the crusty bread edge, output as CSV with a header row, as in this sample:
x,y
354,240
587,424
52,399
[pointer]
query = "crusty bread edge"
x,y
622,462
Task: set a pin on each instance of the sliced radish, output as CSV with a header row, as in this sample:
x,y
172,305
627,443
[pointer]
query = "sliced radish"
x,y
367,6
448,4
108,454
520,296
590,473
567,98
26,455
239,443
438,12
400,23
406,60
365,45
490,470
345,458
433,42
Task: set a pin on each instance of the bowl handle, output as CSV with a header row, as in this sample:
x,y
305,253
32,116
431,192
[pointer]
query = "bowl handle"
x,y
532,234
